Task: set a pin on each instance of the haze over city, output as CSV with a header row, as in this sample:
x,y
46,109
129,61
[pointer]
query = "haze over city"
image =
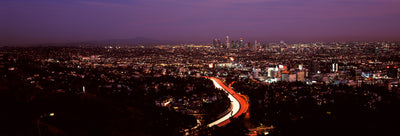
x,y
42,21
199,67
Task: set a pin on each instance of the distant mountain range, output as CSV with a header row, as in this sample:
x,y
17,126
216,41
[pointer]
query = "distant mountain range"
x,y
138,41
112,42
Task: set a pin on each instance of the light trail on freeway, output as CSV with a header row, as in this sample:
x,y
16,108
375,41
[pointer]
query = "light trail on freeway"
x,y
238,104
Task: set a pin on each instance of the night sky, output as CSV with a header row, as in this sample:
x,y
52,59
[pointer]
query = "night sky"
x,y
35,21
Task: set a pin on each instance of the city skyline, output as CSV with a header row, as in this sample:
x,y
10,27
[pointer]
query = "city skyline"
x,y
45,21
274,89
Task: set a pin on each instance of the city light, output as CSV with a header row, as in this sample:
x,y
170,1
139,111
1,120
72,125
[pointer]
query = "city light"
x,y
232,59
200,67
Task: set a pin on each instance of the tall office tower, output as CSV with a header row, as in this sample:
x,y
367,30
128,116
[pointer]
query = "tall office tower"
x,y
265,46
241,43
237,44
227,42
255,46
215,42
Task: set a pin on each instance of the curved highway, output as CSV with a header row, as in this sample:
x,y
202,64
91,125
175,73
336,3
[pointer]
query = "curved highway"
x,y
238,104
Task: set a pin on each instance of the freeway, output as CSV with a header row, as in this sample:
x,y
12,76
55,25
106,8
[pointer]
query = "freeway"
x,y
238,104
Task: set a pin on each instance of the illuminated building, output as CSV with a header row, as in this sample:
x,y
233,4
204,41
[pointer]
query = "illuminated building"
x,y
227,42
255,73
254,47
210,65
225,65
241,43
285,76
335,67
215,43
292,77
300,75
270,72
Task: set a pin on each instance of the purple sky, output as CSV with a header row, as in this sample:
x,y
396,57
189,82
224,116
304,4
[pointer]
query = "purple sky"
x,y
28,21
